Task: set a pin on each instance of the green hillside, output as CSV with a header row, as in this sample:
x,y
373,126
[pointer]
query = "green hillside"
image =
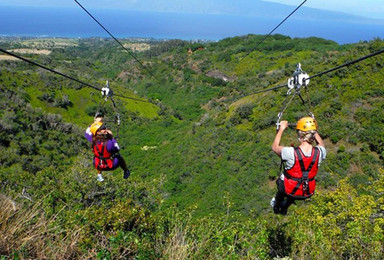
x,y
198,143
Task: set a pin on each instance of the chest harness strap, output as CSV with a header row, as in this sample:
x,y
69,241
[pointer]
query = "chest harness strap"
x,y
102,159
305,171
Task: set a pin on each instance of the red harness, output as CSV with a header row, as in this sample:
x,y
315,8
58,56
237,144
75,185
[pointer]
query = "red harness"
x,y
299,181
103,158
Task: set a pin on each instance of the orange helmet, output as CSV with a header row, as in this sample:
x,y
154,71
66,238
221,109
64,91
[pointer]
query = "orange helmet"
x,y
95,126
306,124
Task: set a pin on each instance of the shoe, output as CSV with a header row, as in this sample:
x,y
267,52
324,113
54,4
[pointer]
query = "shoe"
x,y
284,211
272,203
126,174
275,207
100,177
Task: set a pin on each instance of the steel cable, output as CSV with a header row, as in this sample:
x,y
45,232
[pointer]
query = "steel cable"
x,y
269,34
64,75
110,34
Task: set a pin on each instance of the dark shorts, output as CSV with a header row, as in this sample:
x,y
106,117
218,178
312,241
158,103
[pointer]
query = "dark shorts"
x,y
280,185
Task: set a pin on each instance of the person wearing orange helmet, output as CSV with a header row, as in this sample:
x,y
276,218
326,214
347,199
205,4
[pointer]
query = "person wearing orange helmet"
x,y
297,182
105,149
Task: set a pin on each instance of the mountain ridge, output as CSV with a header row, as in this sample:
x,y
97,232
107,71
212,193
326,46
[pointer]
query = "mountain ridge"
x,y
243,7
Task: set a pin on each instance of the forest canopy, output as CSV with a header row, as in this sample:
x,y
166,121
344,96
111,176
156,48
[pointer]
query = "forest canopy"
x,y
199,150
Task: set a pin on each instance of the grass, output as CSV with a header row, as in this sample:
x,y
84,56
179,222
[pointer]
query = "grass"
x,y
82,99
50,42
26,233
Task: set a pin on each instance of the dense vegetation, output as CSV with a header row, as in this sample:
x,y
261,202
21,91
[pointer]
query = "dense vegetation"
x,y
199,151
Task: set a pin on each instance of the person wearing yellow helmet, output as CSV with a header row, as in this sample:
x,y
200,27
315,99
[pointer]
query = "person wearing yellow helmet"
x,y
95,126
297,180
105,149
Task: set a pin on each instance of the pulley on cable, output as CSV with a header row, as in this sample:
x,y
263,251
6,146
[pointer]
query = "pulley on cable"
x,y
298,80
107,93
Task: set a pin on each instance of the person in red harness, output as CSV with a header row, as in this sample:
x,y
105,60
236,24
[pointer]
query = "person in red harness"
x,y
297,182
105,149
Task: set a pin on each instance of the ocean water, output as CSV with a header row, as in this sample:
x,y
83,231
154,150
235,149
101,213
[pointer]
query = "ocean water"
x,y
74,23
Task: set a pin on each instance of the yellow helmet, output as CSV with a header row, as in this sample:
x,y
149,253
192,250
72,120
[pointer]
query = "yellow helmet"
x,y
306,124
95,126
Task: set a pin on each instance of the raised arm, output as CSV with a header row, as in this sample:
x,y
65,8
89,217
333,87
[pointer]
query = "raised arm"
x,y
319,140
276,147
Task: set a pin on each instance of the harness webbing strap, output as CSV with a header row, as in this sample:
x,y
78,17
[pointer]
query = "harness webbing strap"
x,y
108,93
295,179
101,157
117,118
286,103
305,171
295,84
100,108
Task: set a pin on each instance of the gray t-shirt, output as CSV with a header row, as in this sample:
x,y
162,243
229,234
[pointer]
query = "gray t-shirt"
x,y
288,155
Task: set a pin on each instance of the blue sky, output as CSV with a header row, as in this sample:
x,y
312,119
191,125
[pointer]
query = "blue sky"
x,y
368,8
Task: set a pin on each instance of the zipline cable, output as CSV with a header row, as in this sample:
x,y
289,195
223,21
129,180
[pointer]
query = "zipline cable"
x,y
64,75
327,71
347,64
105,29
269,89
46,68
269,34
